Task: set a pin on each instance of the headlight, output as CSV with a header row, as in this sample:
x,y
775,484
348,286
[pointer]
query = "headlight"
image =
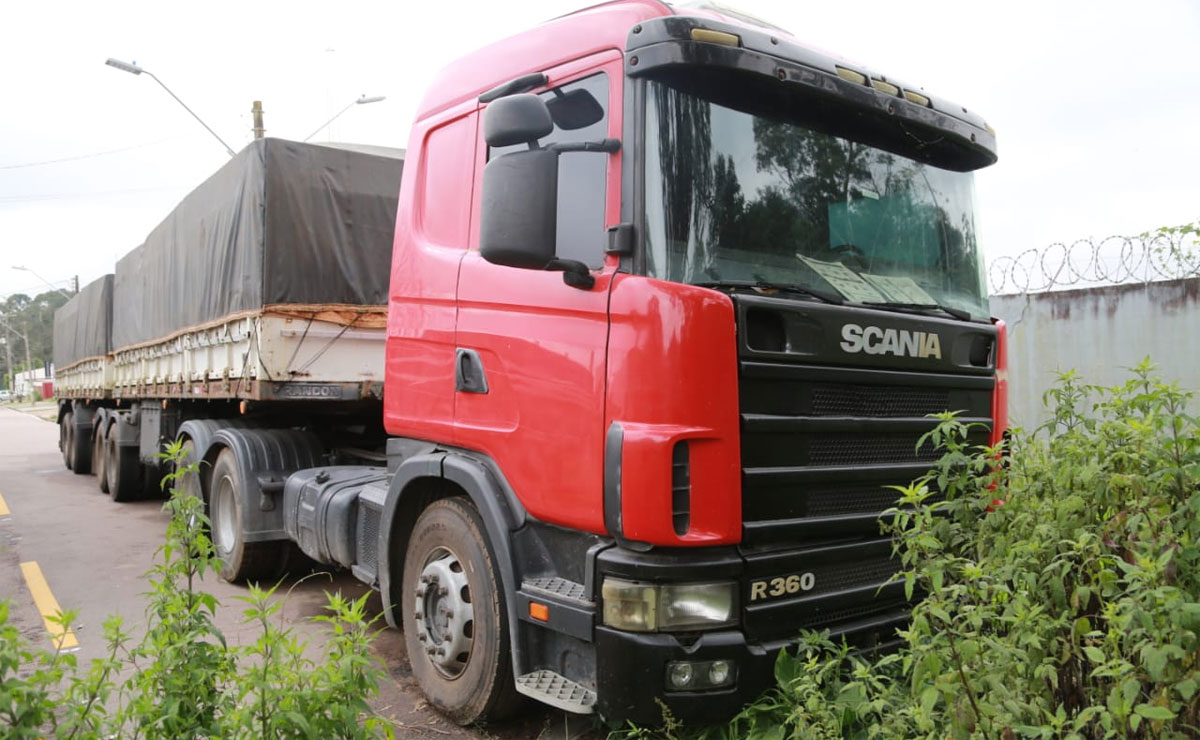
x,y
653,607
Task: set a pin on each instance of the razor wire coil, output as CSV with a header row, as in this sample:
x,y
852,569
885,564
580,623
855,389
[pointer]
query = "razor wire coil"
x,y
1113,260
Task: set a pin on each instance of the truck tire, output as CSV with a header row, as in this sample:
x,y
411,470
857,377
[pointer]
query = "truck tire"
x,y
124,471
100,456
81,449
240,560
453,616
63,424
66,432
188,484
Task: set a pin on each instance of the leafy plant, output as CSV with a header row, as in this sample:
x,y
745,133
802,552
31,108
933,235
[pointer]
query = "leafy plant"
x,y
1071,611
182,679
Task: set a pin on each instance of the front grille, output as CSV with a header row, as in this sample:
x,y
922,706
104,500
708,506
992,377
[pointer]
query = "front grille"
x,y
829,399
854,500
869,449
825,437
854,573
811,471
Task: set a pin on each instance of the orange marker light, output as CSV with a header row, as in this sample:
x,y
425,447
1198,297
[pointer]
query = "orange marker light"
x,y
540,612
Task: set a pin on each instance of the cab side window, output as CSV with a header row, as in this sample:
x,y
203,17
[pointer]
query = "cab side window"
x,y
582,177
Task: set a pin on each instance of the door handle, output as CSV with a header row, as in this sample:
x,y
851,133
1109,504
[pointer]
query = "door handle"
x,y
469,376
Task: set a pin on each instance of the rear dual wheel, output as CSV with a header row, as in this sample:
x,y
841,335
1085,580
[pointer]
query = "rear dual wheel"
x,y
66,442
81,449
123,469
100,456
240,560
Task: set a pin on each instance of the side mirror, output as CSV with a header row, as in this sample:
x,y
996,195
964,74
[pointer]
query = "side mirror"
x,y
516,119
519,208
519,203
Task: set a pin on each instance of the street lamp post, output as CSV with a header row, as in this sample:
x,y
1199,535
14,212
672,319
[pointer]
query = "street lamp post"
x,y
28,359
362,100
44,280
134,69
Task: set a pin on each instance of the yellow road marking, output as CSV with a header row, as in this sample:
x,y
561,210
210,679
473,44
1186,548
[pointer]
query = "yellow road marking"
x,y
47,605
4,507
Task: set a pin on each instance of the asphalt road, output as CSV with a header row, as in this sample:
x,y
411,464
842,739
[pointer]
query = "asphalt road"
x,y
93,553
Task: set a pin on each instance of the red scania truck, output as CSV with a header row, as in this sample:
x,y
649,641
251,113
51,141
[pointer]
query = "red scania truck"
x,y
671,297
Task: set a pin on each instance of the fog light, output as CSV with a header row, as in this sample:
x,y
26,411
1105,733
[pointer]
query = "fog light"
x,y
681,675
718,672
700,675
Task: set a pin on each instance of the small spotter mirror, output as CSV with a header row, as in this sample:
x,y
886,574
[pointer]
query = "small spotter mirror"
x,y
516,119
574,110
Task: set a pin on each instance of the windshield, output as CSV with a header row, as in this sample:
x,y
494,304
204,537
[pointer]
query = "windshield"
x,y
732,196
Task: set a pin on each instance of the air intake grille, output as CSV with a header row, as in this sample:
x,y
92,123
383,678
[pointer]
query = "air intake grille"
x,y
877,401
868,449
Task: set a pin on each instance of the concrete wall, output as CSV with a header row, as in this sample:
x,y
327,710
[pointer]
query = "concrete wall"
x,y
1098,332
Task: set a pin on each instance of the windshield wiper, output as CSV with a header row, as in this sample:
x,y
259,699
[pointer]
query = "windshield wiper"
x,y
957,313
782,287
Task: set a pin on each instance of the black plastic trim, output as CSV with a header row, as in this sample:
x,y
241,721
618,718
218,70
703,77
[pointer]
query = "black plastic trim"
x,y
276,452
521,84
568,618
425,465
469,375
952,140
614,439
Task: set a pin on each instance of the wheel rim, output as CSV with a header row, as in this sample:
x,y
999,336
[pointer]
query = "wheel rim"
x,y
225,527
445,616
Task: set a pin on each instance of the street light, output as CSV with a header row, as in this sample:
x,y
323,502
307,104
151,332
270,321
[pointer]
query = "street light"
x,y
362,100
44,280
134,69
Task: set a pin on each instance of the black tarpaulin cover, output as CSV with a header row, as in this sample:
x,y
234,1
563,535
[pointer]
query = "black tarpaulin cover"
x,y
282,222
83,325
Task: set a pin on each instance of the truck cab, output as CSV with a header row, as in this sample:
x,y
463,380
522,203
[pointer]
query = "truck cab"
x,y
672,296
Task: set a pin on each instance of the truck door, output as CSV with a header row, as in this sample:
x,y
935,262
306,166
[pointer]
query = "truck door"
x,y
539,344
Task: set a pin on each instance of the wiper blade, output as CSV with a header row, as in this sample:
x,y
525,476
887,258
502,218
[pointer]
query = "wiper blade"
x,y
782,287
957,313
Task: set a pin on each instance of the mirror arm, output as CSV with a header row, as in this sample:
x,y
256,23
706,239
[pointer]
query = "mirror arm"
x,y
575,273
608,146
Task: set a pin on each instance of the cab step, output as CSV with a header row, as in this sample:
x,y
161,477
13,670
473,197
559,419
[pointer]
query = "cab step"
x,y
557,587
558,691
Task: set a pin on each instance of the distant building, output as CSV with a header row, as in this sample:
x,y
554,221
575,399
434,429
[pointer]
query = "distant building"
x,y
24,384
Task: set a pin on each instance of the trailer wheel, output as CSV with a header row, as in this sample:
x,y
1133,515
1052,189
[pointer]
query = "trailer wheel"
x,y
455,625
124,471
188,484
81,449
64,425
240,560
66,433
100,456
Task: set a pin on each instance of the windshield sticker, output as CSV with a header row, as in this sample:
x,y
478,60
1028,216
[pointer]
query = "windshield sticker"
x,y
845,281
899,289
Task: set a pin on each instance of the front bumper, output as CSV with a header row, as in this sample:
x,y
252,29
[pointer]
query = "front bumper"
x,y
631,671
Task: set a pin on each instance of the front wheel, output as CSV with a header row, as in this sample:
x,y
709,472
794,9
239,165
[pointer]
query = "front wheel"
x,y
455,625
240,560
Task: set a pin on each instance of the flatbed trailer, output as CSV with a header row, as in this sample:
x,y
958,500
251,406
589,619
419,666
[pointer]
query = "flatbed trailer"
x,y
261,298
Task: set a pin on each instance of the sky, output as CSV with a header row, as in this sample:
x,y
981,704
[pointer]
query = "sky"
x,y
1096,104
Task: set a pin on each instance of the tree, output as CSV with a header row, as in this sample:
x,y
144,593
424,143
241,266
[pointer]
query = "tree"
x,y
33,318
